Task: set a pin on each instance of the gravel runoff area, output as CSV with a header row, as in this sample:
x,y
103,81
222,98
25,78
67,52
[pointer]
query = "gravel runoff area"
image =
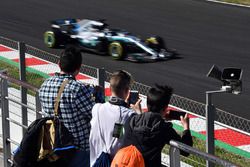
x,y
235,2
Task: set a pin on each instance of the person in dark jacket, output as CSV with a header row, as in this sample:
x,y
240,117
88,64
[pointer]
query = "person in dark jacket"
x,y
150,131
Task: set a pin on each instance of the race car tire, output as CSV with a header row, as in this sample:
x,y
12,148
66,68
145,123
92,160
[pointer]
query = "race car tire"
x,y
50,39
116,50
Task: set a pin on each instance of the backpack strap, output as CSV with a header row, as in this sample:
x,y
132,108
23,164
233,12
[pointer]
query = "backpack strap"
x,y
57,100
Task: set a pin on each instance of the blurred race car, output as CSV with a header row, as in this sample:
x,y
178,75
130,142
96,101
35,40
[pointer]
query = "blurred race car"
x,y
95,36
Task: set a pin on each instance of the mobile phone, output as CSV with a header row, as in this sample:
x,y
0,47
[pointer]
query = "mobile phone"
x,y
175,115
133,96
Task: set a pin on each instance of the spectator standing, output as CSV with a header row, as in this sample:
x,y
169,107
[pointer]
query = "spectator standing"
x,y
149,131
75,104
111,115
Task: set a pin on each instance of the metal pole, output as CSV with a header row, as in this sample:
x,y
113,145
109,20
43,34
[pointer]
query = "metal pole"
x,y
174,154
4,71
210,114
22,72
5,122
101,76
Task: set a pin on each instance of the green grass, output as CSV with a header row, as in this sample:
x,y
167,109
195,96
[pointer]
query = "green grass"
x,y
220,152
242,2
32,76
200,144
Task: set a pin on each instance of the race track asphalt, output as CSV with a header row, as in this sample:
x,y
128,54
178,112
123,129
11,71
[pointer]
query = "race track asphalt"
x,y
204,33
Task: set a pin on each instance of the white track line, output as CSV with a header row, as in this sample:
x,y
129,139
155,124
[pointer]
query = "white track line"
x,y
228,3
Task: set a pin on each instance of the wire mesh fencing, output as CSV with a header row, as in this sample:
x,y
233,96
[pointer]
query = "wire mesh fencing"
x,y
233,120
9,42
224,120
42,54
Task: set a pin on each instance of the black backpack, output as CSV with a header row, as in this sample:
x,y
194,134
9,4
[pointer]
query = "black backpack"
x,y
27,154
28,151
46,142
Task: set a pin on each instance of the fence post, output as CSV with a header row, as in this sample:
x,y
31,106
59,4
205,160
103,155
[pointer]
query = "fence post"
x,y
2,71
210,115
5,122
174,154
22,72
101,76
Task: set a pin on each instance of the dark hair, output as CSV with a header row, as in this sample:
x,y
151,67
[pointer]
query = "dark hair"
x,y
158,98
70,60
120,81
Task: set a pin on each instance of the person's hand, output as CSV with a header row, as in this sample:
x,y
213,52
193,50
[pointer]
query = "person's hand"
x,y
137,106
185,122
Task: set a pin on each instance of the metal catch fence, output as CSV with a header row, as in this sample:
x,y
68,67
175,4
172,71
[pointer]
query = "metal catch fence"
x,y
223,118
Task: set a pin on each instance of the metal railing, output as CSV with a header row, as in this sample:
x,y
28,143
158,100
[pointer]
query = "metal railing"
x,y
6,98
174,154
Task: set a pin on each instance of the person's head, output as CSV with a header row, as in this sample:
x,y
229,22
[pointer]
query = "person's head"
x,y
120,82
70,61
158,98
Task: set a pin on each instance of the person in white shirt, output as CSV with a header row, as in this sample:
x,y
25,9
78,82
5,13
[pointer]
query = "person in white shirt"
x,y
108,118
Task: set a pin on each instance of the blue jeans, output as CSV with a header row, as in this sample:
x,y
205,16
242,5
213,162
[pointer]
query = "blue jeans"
x,y
80,159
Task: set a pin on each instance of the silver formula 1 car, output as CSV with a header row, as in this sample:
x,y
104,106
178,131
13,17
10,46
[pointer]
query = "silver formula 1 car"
x,y
91,35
